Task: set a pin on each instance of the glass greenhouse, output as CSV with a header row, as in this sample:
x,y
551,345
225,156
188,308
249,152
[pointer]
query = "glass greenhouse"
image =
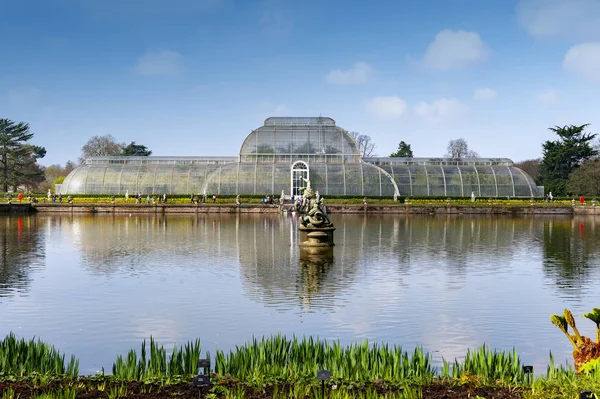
x,y
282,153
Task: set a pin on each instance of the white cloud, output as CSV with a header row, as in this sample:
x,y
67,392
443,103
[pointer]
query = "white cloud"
x,y
442,109
386,107
584,60
571,19
484,94
162,62
360,73
455,49
548,96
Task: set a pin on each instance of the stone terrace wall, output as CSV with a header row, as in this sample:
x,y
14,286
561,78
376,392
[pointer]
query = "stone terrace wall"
x,y
335,209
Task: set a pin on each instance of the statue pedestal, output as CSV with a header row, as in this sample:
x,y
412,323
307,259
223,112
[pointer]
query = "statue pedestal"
x,y
316,238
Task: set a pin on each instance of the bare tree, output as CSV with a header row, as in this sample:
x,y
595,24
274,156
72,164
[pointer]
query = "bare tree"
x,y
365,144
99,146
459,148
531,167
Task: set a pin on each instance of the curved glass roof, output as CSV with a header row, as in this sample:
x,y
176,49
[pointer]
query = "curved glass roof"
x,y
306,137
462,180
329,179
333,158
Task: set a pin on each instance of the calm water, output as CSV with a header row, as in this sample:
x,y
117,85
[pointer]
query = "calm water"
x,y
96,286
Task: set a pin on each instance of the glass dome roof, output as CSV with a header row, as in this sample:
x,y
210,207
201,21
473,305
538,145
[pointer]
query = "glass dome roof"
x,y
333,162
306,137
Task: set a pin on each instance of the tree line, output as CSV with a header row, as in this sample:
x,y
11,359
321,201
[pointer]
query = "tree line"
x,y
19,167
570,165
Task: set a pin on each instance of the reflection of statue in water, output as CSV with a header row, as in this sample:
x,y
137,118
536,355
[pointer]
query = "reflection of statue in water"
x,y
312,210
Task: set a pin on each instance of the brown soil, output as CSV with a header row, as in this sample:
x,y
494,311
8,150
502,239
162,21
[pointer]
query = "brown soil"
x,y
88,390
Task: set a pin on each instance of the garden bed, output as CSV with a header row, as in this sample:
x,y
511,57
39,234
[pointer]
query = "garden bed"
x,y
92,388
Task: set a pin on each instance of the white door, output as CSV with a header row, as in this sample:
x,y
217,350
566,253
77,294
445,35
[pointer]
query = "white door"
x,y
299,173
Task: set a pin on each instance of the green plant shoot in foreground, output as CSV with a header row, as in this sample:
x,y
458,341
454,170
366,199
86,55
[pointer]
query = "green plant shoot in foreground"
x,y
286,367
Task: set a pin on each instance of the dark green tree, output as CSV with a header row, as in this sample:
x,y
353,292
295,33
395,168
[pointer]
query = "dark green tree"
x,y
404,151
136,150
18,159
563,156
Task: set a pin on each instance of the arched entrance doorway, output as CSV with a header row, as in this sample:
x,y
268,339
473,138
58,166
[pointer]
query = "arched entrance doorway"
x,y
299,173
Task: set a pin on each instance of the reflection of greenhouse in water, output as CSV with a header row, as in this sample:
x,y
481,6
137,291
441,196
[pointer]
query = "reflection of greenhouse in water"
x,y
279,155
263,250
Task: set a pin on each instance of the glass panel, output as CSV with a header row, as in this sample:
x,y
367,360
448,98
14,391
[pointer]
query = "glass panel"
x,y
371,182
469,180
335,180
264,179
522,187
180,180
145,179
95,180
317,178
453,181
111,179
505,186
128,179
282,179
419,181
488,183
162,180
246,175
436,181
76,183
354,180
402,177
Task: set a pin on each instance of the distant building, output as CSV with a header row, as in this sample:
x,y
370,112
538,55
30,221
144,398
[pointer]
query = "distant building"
x,y
279,155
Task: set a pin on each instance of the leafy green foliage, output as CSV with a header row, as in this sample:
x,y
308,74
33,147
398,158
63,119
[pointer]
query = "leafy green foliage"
x,y
136,150
282,359
591,368
563,156
493,366
404,151
17,157
183,362
20,357
585,180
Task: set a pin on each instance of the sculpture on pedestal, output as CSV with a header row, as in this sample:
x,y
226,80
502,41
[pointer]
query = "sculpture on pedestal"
x,y
316,230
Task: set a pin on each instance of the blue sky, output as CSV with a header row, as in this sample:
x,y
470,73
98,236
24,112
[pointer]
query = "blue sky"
x,y
194,77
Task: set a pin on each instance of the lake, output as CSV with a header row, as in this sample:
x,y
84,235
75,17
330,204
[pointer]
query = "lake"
x,y
98,285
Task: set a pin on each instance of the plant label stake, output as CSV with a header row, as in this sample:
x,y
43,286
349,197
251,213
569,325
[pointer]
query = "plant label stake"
x,y
323,375
201,381
205,364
